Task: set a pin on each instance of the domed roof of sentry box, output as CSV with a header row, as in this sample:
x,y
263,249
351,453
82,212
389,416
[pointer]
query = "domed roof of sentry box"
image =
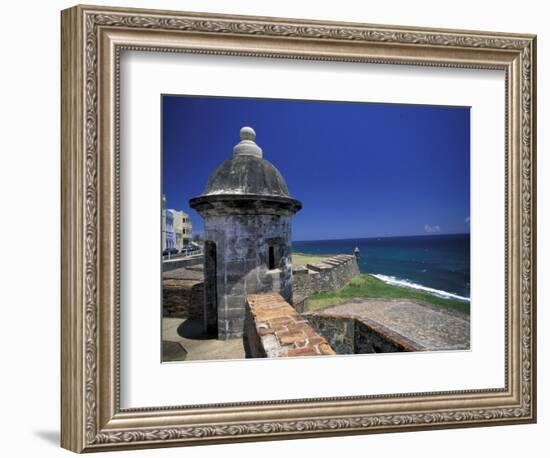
x,y
245,176
247,172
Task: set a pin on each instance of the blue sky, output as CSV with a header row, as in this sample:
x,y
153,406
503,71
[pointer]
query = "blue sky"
x,y
360,169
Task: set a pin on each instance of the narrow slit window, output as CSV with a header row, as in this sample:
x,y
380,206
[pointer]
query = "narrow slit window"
x,y
271,257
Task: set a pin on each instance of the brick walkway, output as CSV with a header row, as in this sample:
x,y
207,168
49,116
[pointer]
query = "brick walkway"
x,y
431,327
280,330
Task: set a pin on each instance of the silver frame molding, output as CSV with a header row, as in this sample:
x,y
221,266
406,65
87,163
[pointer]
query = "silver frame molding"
x,y
92,39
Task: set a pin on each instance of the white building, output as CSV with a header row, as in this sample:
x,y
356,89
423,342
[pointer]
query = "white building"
x,y
169,233
177,229
163,222
182,229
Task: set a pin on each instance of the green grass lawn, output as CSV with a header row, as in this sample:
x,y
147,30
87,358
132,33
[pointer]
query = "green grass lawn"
x,y
367,286
300,259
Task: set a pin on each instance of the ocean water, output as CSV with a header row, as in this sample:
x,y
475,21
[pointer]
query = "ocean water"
x,y
438,264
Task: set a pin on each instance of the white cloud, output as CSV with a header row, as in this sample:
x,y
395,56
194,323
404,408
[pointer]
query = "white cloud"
x,y
467,220
432,229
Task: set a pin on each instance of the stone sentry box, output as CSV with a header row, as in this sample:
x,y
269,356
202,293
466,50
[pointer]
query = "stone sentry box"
x,y
247,213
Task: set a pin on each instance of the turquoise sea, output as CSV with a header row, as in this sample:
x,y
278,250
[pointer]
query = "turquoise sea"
x,y
438,264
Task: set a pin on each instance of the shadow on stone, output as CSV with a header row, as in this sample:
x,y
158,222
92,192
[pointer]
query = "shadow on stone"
x,y
173,351
192,329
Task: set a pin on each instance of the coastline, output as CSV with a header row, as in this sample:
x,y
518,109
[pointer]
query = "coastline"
x,y
368,286
390,280
404,283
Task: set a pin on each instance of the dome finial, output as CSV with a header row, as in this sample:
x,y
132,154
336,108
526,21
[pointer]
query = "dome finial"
x,y
247,133
247,146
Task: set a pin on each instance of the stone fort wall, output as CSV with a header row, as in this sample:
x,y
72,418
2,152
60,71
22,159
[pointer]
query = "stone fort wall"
x,y
329,275
242,265
182,299
349,335
274,329
178,263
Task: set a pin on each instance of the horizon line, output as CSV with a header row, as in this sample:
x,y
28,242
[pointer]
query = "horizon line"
x,y
383,237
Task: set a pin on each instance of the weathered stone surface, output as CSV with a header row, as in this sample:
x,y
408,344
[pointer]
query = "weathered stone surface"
x,y
195,272
274,329
306,351
182,298
247,212
300,303
332,274
237,276
353,335
178,263
372,337
407,323
194,344
246,175
173,351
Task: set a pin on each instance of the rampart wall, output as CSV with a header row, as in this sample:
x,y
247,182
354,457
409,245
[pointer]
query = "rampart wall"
x,y
274,329
353,335
178,263
329,275
182,298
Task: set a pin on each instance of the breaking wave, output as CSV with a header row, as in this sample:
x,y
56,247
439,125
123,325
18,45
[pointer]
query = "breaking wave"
x,y
408,284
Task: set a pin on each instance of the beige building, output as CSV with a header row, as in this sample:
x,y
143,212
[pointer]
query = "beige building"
x,y
182,228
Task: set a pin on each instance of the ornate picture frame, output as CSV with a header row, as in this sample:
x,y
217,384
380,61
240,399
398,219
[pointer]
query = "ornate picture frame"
x,y
92,41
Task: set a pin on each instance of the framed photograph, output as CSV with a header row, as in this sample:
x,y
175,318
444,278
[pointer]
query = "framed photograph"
x,y
278,228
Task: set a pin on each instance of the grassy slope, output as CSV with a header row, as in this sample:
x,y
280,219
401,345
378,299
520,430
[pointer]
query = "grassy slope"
x,y
367,286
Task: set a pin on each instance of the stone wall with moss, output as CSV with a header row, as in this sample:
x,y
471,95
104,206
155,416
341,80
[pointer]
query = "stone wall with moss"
x,y
329,275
